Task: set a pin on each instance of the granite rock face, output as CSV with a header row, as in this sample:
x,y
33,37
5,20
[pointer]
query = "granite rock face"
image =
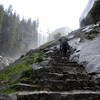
x,y
91,14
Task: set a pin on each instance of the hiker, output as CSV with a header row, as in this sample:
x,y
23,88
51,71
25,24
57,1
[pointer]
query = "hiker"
x,y
64,46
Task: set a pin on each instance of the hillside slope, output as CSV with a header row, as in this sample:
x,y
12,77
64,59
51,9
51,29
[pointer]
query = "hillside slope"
x,y
44,74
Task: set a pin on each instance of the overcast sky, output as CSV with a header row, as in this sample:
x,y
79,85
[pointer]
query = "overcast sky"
x,y
51,13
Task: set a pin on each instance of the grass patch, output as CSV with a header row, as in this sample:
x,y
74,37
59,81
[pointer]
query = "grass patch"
x,y
7,91
12,70
20,67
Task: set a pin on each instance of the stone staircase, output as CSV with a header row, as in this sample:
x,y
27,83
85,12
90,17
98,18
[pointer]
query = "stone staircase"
x,y
61,80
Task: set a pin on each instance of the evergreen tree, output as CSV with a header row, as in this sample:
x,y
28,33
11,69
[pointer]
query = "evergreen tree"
x,y
16,35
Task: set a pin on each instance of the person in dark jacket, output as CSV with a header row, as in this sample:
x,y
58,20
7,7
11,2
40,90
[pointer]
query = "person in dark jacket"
x,y
64,46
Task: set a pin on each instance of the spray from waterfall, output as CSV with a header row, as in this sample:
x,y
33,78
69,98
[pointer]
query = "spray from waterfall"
x,y
42,37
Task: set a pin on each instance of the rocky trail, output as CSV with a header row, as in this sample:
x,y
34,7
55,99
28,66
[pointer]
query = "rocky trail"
x,y
62,79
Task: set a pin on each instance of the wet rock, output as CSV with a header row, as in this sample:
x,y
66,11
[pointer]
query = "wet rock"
x,y
43,96
82,97
72,85
44,63
91,15
36,66
8,97
13,96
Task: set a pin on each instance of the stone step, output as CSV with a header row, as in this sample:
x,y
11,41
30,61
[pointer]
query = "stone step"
x,y
61,69
67,64
81,84
49,95
64,69
64,75
51,76
67,85
24,86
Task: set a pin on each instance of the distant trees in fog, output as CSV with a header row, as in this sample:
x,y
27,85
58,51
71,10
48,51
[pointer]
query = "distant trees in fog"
x,y
16,35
